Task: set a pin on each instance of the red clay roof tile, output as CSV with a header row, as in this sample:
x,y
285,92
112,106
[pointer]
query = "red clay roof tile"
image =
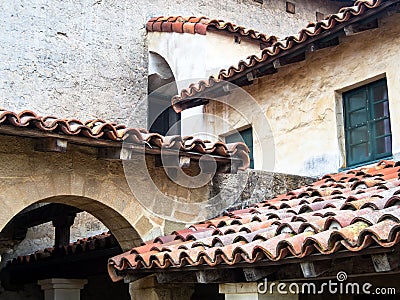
x,y
367,218
201,25
98,242
101,130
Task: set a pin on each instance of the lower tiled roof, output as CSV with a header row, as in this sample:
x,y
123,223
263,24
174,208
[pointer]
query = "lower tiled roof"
x,y
94,243
101,130
350,211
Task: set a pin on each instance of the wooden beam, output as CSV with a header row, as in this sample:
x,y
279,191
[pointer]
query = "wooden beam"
x,y
173,161
360,27
276,63
385,262
381,262
176,277
128,278
287,60
267,70
36,133
290,59
218,276
326,43
109,153
51,145
255,274
20,223
250,76
315,269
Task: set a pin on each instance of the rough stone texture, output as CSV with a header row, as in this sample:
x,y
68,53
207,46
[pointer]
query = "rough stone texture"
x,y
304,110
253,186
88,58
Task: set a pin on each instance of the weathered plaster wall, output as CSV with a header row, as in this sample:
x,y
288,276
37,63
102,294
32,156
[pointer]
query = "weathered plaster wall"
x,y
303,103
195,57
88,58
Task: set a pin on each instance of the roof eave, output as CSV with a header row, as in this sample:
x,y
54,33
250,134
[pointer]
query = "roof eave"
x,y
289,269
337,31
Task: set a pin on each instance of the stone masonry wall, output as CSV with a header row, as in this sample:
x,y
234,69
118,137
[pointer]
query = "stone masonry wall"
x,y
88,58
258,186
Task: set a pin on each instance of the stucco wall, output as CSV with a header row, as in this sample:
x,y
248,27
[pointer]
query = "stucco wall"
x,y
89,58
303,101
194,56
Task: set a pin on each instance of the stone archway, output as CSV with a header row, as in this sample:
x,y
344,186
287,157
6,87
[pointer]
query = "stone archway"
x,y
75,178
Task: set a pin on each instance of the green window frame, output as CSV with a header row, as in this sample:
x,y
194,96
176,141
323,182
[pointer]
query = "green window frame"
x,y
245,136
368,135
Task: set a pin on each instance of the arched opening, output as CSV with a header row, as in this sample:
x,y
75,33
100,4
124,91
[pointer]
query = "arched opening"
x,y
161,88
63,237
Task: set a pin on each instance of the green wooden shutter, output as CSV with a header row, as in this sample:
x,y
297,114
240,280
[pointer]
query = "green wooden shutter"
x,y
367,123
245,136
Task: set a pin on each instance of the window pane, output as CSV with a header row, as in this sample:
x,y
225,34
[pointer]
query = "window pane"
x,y
382,127
367,121
381,109
379,92
359,153
357,100
384,145
358,117
358,134
245,136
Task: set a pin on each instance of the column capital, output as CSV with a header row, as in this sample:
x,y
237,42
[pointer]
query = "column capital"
x,y
61,283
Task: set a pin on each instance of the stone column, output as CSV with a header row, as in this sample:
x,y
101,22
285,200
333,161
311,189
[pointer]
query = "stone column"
x,y
250,291
148,288
62,289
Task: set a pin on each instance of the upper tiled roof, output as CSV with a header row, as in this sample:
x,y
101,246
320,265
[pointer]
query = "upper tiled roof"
x,y
101,130
312,30
201,25
345,211
94,243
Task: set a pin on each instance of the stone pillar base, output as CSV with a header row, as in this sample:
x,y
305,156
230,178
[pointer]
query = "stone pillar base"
x,y
62,289
148,288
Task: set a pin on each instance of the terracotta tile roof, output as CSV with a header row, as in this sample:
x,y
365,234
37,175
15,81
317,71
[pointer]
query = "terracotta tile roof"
x,y
201,25
101,130
312,30
345,211
94,243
